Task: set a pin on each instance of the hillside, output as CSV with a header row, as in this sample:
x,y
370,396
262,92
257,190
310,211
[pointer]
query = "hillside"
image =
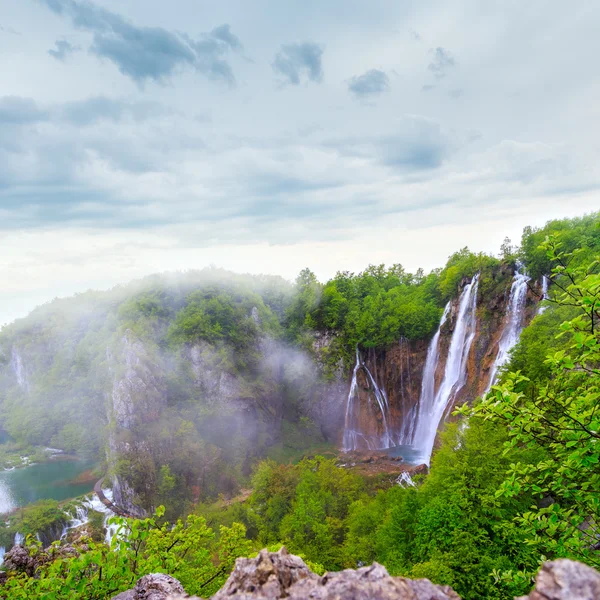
x,y
183,383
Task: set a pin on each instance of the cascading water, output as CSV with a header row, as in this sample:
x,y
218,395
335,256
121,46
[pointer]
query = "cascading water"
x,y
427,397
433,405
82,515
353,438
514,322
545,284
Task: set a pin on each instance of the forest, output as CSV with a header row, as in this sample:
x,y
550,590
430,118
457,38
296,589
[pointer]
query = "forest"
x,y
514,479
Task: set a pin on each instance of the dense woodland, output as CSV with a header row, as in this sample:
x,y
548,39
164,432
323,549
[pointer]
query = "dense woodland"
x,y
515,481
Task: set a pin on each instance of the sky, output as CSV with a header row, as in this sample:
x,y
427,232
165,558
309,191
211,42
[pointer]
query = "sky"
x,y
139,136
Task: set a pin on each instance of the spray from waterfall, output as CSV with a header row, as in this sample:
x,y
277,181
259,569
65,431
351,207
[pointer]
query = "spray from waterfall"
x,y
513,325
354,438
433,405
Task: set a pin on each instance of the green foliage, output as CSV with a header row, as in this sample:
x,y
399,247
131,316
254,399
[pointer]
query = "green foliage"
x,y
560,419
189,550
303,506
581,233
377,306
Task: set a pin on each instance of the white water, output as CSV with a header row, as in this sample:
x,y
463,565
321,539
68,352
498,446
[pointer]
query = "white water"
x,y
513,324
82,515
427,397
545,283
405,480
352,435
455,373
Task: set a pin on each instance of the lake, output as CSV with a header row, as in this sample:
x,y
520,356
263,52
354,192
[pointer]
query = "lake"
x,y
48,480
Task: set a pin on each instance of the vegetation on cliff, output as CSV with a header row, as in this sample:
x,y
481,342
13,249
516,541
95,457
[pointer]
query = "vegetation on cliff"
x,y
517,483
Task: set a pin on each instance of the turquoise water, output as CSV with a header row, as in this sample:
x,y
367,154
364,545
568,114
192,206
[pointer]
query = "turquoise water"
x,y
47,480
410,455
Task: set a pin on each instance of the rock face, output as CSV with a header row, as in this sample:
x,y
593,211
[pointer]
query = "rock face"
x,y
275,575
565,580
137,399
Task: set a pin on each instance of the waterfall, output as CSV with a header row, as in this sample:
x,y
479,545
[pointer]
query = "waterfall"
x,y
427,397
352,435
513,324
545,284
433,406
82,515
19,539
405,480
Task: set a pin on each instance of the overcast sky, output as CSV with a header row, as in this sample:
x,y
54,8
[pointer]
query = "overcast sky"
x,y
139,136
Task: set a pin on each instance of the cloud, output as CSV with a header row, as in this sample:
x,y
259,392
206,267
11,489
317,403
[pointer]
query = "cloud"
x,y
413,144
442,62
150,53
63,49
371,83
295,60
9,30
17,110
98,108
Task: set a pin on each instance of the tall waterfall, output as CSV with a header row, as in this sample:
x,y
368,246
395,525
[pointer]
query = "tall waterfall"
x,y
427,397
433,405
545,283
513,324
353,437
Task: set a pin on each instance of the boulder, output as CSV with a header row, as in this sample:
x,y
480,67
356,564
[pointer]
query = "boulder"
x,y
155,586
565,580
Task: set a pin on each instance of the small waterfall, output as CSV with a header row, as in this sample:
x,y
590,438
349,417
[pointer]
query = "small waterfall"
x,y
433,406
513,324
82,515
545,284
405,480
19,539
353,437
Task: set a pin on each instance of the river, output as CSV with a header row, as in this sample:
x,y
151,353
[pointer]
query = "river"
x,y
48,480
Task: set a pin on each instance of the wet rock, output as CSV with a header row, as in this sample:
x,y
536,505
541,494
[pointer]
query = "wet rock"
x,y
565,580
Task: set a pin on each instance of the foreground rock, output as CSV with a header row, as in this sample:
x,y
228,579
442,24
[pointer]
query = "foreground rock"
x,y
275,575
565,580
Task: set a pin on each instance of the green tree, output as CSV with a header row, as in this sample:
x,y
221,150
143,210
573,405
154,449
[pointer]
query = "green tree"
x,y
560,418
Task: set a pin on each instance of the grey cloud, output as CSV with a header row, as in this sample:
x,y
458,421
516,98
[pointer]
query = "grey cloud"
x,y
295,60
441,63
91,110
9,30
414,144
150,53
371,83
427,88
62,50
17,110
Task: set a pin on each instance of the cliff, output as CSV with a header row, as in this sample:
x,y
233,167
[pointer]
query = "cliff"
x,y
397,371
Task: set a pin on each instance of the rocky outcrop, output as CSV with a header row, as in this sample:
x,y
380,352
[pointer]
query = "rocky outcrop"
x,y
565,580
137,399
275,575
155,586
